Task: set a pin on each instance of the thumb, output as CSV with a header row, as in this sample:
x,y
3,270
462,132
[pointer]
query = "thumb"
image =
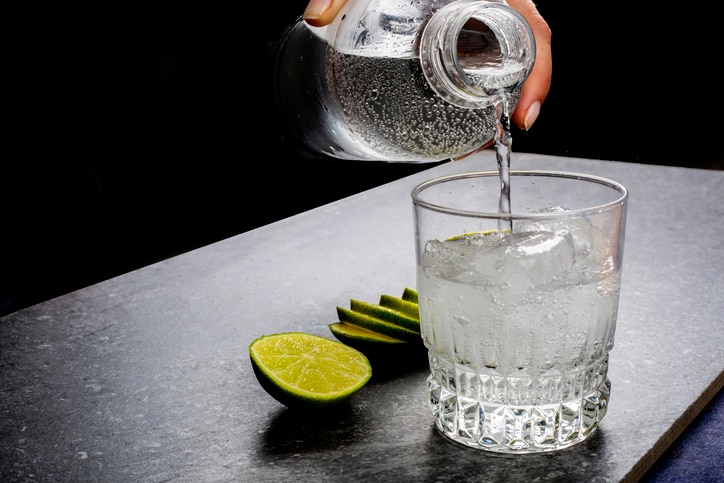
x,y
322,12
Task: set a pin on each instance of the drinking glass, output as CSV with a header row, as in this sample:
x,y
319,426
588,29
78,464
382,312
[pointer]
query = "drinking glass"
x,y
518,307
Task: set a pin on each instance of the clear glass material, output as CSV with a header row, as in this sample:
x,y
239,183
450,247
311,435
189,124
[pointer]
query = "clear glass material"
x,y
518,310
401,81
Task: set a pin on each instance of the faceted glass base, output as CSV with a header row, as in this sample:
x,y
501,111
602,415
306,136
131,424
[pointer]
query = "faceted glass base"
x,y
520,414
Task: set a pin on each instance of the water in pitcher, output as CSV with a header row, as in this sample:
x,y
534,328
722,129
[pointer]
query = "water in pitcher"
x,y
389,108
398,81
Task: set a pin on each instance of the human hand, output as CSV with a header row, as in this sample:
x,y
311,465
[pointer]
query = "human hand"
x,y
536,87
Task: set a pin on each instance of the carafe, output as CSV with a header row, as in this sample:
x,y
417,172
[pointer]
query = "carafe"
x,y
401,80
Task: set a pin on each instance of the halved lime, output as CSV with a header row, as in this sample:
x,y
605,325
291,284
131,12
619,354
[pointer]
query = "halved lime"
x,y
388,315
308,371
375,324
410,295
396,303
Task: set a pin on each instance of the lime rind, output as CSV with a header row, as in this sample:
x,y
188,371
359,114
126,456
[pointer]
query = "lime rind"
x,y
377,347
349,333
410,295
391,316
375,324
403,306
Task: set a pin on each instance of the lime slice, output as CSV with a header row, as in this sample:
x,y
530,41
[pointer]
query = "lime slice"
x,y
410,295
350,333
375,324
364,340
386,314
474,233
308,371
387,355
395,303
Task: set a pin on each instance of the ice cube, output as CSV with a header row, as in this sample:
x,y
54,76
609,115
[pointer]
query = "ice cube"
x,y
539,257
547,255
592,253
456,259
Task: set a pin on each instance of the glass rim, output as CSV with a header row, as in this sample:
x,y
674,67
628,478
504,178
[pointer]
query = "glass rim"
x,y
619,201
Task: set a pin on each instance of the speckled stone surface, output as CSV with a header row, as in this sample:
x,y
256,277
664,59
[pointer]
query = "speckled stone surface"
x,y
146,377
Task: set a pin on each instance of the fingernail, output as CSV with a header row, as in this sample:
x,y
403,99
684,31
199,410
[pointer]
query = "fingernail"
x,y
316,8
531,115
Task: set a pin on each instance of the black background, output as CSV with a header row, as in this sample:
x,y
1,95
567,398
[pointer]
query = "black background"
x,y
132,132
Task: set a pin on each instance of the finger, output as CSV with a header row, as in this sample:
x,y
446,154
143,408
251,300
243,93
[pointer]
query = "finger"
x,y
322,12
536,87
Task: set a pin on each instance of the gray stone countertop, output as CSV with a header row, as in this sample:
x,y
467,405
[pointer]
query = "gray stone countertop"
x,y
146,376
